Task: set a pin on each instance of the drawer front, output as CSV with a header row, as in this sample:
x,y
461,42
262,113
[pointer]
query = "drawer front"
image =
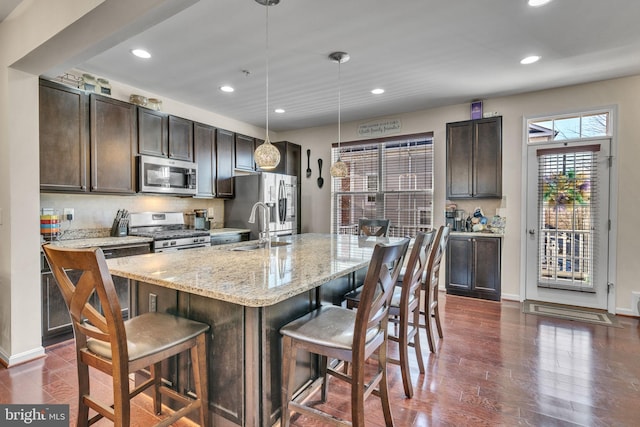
x,y
229,238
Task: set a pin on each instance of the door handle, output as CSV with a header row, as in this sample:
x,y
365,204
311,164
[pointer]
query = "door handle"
x,y
532,231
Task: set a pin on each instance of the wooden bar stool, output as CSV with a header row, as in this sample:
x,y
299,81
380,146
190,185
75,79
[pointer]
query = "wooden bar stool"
x,y
352,336
107,343
430,286
405,308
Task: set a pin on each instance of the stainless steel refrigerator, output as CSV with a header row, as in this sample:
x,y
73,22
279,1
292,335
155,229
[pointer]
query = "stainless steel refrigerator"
x,y
277,191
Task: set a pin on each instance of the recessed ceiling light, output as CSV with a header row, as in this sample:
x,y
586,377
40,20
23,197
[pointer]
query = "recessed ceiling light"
x,y
530,60
536,3
377,91
141,53
226,88
279,110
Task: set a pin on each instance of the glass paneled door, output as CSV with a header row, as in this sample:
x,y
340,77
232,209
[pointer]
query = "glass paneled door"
x,y
568,223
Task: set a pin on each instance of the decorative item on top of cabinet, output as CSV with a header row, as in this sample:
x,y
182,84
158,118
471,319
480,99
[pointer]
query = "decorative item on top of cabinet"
x,y
64,138
204,153
474,159
245,146
474,266
113,145
225,153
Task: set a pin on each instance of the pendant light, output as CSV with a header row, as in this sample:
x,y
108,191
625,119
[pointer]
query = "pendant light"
x,y
267,156
339,169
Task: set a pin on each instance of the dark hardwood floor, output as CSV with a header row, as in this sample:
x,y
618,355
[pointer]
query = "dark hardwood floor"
x,y
495,366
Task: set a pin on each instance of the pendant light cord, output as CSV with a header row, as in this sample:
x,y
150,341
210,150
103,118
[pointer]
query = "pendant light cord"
x,y
339,102
267,74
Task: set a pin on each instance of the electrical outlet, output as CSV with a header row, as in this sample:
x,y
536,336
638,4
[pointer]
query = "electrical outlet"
x,y
635,303
153,303
68,214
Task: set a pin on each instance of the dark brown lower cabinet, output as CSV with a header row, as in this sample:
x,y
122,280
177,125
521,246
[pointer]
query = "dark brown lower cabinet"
x,y
223,239
244,348
56,323
473,266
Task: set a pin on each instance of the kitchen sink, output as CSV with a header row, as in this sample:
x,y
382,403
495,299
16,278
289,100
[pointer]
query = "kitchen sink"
x,y
256,246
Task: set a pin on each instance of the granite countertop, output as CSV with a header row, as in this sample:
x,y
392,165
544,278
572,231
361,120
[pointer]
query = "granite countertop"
x,y
254,278
100,241
477,234
88,240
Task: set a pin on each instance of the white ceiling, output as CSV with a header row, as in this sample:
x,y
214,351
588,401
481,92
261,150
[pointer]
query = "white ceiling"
x,y
424,53
6,7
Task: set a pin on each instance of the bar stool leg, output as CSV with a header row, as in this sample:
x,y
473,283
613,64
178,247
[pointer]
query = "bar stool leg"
x,y
403,344
416,340
383,387
288,365
83,390
198,363
156,370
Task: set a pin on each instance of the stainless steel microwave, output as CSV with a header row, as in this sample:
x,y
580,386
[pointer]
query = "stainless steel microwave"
x,y
167,176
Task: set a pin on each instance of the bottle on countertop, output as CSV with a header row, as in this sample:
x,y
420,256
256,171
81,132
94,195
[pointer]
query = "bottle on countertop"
x,y
468,226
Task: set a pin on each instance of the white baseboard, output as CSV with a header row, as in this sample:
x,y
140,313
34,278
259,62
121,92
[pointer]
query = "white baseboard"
x,y
511,297
625,312
25,356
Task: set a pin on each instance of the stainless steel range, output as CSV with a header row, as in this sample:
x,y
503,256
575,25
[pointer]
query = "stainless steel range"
x,y
168,231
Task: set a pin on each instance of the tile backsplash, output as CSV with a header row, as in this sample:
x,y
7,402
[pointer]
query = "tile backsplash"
x,y
93,211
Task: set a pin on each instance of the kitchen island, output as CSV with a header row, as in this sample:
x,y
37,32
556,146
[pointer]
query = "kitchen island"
x,y
246,296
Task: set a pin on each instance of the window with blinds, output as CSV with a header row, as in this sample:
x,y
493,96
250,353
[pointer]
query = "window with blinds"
x,y
567,197
392,179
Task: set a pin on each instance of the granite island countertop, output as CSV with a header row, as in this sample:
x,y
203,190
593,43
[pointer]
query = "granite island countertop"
x,y
253,278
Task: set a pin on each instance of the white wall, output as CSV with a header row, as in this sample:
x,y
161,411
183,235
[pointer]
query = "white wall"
x,y
37,36
316,211
22,32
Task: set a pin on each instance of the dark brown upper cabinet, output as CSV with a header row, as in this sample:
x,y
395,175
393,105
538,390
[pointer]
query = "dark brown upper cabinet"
x,y
153,132
113,145
290,159
64,138
180,138
474,159
225,154
163,135
244,148
204,150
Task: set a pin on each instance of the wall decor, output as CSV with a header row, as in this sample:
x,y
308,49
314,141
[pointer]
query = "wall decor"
x,y
380,128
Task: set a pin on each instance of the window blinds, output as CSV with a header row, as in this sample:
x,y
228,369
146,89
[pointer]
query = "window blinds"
x,y
567,201
391,179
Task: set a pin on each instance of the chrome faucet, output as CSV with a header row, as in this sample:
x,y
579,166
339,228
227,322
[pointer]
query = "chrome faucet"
x,y
264,235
